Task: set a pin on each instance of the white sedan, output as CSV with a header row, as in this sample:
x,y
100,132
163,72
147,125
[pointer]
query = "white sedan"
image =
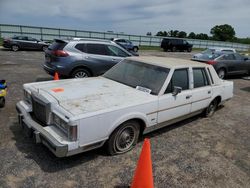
x,y
137,96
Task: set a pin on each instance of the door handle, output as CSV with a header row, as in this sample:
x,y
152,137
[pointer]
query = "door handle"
x,y
188,96
209,92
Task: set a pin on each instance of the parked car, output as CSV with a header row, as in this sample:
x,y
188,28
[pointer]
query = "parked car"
x,y
128,45
135,97
175,44
210,51
24,42
227,63
79,58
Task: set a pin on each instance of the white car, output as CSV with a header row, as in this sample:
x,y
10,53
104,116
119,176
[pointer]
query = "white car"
x,y
210,51
137,96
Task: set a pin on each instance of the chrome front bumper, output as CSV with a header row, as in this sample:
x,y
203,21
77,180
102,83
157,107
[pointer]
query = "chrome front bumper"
x,y
40,135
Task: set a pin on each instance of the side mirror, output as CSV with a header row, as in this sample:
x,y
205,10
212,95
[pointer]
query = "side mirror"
x,y
176,91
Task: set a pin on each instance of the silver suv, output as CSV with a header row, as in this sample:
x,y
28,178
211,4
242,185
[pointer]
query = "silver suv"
x,y
79,58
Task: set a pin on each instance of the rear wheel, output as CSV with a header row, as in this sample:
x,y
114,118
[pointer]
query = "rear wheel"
x,y
189,49
209,112
80,73
2,102
15,48
124,138
44,48
221,73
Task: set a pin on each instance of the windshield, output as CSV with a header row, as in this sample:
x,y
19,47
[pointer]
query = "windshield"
x,y
142,76
208,51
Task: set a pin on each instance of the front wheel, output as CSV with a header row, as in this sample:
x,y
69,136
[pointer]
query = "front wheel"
x,y
135,49
80,73
189,49
209,112
2,102
174,49
124,138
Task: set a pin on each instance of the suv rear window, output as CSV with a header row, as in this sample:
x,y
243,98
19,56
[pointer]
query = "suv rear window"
x,y
57,45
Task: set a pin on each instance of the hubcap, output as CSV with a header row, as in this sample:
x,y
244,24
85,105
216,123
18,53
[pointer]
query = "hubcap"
x,y
211,108
81,75
221,74
15,48
125,139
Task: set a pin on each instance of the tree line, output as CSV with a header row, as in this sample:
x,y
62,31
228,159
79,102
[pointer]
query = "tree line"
x,y
223,32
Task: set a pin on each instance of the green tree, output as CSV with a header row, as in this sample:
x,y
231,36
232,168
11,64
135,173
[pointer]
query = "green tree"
x,y
162,33
202,36
192,35
182,34
223,32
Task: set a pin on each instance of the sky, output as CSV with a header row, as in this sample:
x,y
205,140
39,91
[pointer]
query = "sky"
x,y
129,16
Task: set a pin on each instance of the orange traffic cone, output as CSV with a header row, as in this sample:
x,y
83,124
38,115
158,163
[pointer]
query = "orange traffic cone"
x,y
56,76
143,177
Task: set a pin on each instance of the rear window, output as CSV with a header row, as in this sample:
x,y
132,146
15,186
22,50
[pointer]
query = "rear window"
x,y
57,45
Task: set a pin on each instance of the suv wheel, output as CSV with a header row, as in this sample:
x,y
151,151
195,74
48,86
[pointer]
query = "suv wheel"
x,y
189,49
135,49
15,48
173,49
80,73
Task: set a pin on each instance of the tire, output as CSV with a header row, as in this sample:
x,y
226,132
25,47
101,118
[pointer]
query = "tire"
x,y
173,49
221,73
2,102
15,48
124,138
189,49
135,49
80,73
209,111
44,48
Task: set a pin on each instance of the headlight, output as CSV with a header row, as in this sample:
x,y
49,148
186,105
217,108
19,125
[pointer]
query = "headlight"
x,y
60,123
71,131
27,96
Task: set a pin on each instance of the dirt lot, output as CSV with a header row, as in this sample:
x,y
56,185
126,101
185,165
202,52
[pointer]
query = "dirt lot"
x,y
198,152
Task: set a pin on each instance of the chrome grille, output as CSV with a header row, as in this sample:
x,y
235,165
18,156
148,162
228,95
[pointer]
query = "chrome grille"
x,y
39,110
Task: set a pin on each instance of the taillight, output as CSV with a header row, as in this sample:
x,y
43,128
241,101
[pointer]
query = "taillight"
x,y
211,62
60,53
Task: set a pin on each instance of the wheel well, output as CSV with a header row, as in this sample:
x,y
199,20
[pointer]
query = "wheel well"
x,y
218,98
224,68
141,123
81,67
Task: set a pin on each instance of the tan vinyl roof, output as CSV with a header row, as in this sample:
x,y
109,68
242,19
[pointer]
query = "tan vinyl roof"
x,y
167,62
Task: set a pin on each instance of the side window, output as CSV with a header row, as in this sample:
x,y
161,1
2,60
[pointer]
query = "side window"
x,y
114,51
238,57
180,79
200,77
81,47
98,49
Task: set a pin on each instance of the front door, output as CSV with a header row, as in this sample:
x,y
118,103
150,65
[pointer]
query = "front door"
x,y
171,107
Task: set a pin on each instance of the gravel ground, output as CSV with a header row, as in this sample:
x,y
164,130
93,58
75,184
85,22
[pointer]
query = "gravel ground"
x,y
197,152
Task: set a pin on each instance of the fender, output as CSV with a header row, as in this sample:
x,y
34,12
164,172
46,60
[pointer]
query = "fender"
x,y
126,117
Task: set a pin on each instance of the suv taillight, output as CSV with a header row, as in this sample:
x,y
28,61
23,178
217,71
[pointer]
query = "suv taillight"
x,y
211,62
60,53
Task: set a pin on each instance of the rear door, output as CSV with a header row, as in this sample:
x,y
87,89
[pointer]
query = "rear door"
x,y
202,89
171,107
99,57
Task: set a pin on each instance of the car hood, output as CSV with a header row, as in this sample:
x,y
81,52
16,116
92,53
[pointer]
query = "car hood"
x,y
79,96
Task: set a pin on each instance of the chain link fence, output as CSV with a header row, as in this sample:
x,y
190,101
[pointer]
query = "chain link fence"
x,y
45,33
